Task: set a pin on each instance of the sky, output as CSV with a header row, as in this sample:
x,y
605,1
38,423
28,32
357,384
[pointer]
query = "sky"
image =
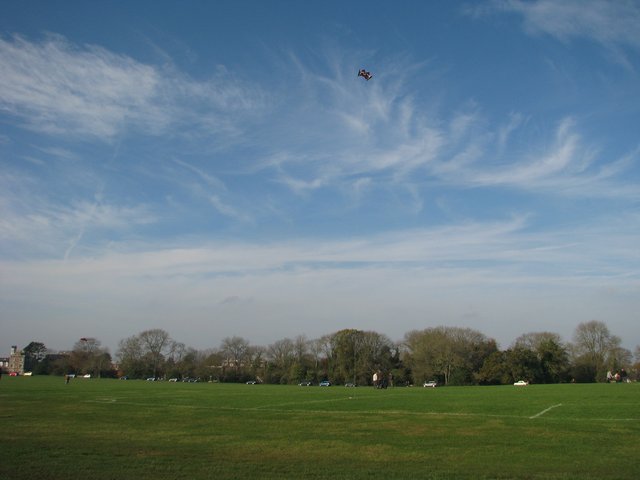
x,y
218,169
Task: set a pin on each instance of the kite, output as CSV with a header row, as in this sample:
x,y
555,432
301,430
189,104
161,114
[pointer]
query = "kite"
x,y
364,74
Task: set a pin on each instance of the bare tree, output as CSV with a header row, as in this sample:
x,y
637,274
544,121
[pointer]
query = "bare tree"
x,y
282,355
129,356
146,352
236,350
156,344
88,356
301,346
533,340
451,353
316,348
257,362
593,346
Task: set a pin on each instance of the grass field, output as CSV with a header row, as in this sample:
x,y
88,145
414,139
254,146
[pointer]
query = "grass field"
x,y
110,429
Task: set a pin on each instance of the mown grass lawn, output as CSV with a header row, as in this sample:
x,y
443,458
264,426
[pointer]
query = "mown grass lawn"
x,y
110,429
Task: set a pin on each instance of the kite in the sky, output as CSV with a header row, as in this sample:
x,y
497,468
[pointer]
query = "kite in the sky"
x,y
364,74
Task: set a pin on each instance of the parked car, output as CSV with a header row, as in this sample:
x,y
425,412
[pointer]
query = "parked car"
x,y
521,383
430,384
325,383
349,384
251,382
305,384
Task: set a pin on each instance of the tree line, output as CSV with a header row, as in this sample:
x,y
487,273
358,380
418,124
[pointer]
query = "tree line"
x,y
449,355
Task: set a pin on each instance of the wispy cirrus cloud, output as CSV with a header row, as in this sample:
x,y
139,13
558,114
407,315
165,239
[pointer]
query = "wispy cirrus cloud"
x,y
57,87
513,246
434,274
207,178
203,185
379,133
565,165
351,130
611,23
411,269
32,225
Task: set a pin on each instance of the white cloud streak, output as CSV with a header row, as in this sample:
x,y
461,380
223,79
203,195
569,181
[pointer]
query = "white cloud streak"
x,y
613,24
495,272
503,244
32,225
379,133
377,130
58,88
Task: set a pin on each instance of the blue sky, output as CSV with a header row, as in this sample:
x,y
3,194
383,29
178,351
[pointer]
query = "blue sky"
x,y
218,169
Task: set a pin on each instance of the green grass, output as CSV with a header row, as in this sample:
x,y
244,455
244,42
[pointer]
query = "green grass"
x,y
110,429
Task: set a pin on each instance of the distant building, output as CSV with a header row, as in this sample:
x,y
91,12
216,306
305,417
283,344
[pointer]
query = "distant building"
x,y
16,361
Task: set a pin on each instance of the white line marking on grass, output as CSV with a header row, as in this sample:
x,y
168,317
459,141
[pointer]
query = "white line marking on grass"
x,y
307,402
539,414
354,412
103,400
